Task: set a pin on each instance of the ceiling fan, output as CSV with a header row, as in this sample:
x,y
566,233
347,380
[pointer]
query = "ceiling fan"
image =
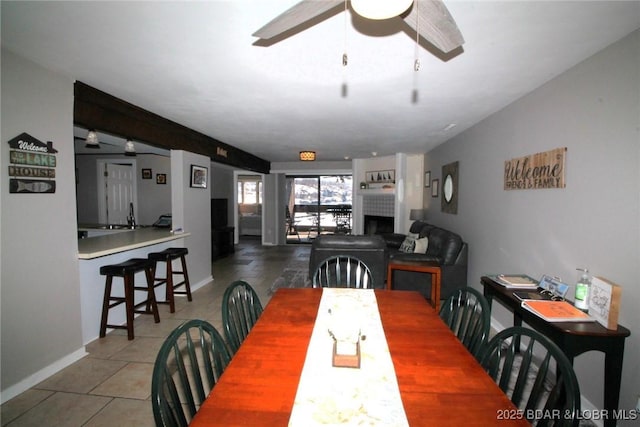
x,y
429,18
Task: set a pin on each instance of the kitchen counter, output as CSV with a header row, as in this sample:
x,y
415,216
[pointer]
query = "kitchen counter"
x,y
114,248
94,247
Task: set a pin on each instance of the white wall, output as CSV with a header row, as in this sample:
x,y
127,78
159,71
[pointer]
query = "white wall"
x,y
40,292
593,110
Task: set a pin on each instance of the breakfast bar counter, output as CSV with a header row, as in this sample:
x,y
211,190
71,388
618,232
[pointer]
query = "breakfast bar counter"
x,y
114,248
124,240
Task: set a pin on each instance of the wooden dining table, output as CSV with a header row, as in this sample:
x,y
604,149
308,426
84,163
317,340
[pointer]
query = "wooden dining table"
x,y
440,382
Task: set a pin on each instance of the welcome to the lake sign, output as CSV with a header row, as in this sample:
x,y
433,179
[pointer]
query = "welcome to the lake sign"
x,y
541,170
32,165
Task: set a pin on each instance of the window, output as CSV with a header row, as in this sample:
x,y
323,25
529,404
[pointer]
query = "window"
x,y
250,191
319,203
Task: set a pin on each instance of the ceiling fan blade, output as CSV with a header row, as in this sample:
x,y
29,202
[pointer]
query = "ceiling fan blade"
x,y
296,15
435,24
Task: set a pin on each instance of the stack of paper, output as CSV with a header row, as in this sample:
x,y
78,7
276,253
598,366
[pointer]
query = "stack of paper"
x,y
516,281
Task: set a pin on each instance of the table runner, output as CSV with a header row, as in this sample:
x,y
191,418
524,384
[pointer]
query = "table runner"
x,y
329,395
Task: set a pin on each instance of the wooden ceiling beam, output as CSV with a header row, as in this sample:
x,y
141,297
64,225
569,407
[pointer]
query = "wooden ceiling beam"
x,y
94,109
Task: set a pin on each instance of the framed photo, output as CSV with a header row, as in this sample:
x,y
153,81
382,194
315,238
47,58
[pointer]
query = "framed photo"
x,y
146,173
434,187
161,178
198,176
427,179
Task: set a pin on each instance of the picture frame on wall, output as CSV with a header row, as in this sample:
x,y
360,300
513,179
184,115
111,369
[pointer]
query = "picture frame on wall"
x,y
434,188
199,176
161,178
146,173
427,179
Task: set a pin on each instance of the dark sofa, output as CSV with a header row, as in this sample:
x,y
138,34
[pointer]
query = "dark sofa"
x,y
371,249
445,247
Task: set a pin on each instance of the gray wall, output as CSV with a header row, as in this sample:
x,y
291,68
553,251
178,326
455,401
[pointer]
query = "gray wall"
x,y
593,110
40,294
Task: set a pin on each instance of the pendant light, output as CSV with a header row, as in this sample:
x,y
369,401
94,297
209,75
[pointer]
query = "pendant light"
x,y
92,140
129,148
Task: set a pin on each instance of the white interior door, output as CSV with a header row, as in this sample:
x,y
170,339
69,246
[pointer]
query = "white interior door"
x,y
118,191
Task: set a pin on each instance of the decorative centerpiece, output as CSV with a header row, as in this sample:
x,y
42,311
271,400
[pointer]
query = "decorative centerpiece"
x,y
345,330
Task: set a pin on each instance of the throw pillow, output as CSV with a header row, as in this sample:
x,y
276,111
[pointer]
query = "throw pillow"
x,y
421,245
409,243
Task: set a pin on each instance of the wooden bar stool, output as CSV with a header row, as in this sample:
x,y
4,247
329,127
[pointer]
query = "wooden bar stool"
x,y
127,270
167,256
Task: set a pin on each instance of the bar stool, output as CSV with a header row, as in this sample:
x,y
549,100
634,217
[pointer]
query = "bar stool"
x,y
167,256
127,270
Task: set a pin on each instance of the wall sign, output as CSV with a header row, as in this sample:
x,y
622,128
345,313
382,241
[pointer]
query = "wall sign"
x,y
31,158
540,170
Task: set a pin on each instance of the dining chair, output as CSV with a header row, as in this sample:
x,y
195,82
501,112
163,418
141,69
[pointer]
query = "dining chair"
x,y
466,312
188,365
535,374
342,271
241,308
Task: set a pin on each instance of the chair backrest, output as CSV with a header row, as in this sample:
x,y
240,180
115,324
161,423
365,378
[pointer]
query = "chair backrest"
x,y
342,271
241,308
188,365
468,315
522,362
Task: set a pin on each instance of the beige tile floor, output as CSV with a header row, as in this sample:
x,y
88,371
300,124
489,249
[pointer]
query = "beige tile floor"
x,y
112,385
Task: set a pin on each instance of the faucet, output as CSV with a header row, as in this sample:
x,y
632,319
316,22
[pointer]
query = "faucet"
x,y
131,219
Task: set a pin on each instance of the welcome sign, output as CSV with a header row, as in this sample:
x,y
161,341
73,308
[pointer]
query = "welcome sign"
x,y
540,170
32,168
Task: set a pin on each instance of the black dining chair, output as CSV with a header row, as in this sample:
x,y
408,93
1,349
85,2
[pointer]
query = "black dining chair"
x,y
342,271
535,374
466,312
189,364
241,309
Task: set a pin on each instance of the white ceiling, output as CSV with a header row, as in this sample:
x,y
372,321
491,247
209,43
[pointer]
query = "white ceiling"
x,y
196,63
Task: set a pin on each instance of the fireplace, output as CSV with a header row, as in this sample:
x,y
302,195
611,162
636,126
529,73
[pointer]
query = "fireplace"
x,y
374,224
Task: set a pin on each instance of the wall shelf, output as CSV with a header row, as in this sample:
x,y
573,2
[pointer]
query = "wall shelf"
x,y
376,191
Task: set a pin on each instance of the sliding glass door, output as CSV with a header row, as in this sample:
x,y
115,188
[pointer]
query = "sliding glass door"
x,y
318,204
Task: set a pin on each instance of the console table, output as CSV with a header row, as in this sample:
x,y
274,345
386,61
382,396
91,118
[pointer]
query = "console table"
x,y
430,267
574,338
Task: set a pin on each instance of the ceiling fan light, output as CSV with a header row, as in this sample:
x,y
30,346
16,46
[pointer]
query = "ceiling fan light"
x,y
380,9
92,140
129,148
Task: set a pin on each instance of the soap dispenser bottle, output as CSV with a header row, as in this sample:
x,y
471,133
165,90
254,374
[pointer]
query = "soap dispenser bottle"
x,y
583,286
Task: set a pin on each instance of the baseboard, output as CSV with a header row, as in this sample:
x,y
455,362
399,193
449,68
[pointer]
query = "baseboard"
x,y
203,282
44,373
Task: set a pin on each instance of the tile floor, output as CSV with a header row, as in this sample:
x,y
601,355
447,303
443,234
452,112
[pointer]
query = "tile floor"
x,y
112,385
